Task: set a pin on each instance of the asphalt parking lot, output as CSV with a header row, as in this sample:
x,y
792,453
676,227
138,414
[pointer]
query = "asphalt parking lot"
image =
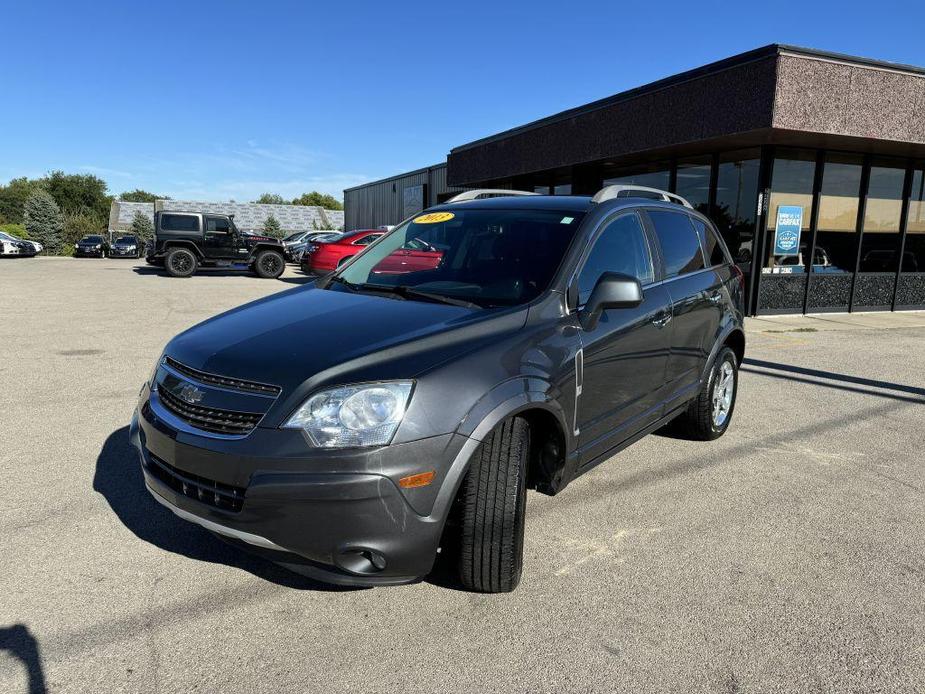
x,y
787,556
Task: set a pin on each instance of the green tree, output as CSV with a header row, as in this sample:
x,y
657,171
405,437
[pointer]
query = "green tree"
x,y
271,227
270,199
139,195
74,192
79,223
142,227
316,199
43,220
13,198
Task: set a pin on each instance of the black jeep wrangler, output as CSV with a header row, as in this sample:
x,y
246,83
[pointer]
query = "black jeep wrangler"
x,y
185,241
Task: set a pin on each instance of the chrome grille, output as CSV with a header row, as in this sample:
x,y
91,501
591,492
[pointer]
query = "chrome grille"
x,y
223,381
209,418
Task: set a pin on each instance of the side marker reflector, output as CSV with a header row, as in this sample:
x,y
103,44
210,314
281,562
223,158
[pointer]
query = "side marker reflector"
x,y
422,479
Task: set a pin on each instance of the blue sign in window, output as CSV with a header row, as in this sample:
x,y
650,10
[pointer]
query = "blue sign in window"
x,y
788,230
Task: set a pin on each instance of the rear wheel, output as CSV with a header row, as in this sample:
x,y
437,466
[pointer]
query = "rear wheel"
x,y
709,414
269,264
180,262
494,498
343,260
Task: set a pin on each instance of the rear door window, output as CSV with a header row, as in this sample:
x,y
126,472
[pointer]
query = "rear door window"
x,y
679,241
712,248
179,222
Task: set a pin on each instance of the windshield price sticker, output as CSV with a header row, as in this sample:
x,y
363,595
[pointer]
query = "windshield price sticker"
x,y
434,218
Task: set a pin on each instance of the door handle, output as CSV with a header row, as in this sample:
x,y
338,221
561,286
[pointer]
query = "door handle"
x,y
662,319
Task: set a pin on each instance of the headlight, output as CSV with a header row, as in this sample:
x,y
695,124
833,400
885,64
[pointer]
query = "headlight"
x,y
362,415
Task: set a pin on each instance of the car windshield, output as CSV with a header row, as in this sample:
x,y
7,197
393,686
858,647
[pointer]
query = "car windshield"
x,y
125,239
294,237
93,239
324,238
486,257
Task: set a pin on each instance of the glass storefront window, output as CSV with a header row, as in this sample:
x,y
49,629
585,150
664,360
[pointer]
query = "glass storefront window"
x,y
657,175
914,251
880,242
693,182
791,185
836,228
737,202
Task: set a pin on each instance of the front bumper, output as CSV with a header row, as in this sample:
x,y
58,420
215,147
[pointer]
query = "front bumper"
x,y
350,527
122,253
87,253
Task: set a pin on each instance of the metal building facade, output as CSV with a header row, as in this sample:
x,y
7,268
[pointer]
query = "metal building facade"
x,y
390,200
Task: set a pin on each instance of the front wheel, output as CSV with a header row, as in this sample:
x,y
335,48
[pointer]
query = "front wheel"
x,y
269,264
494,505
709,414
180,262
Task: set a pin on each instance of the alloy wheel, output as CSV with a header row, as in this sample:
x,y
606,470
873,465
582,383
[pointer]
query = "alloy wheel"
x,y
723,391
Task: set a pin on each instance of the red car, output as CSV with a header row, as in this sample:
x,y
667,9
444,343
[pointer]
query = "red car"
x,y
416,255
324,256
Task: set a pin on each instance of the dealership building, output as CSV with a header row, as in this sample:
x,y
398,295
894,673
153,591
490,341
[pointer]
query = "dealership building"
x,y
811,164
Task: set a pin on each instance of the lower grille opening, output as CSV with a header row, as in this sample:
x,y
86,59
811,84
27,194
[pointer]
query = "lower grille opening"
x,y
216,494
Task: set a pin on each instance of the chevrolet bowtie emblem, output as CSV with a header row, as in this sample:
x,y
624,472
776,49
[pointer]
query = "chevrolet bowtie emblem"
x,y
190,394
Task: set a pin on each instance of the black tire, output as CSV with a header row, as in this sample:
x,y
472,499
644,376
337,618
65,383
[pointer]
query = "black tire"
x,y
494,499
180,262
705,420
269,264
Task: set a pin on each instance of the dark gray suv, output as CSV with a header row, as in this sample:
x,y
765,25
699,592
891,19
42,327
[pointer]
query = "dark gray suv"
x,y
496,343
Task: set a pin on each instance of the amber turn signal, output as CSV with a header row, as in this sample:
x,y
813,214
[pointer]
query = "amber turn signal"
x,y
422,479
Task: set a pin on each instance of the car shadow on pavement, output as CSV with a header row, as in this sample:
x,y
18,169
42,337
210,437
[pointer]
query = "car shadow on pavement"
x,y
19,643
119,479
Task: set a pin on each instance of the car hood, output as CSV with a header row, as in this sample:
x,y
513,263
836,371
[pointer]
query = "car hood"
x,y
288,338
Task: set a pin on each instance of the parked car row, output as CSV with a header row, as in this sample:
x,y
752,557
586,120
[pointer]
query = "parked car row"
x,y
14,246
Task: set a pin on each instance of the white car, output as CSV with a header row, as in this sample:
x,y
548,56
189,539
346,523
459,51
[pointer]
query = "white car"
x,y
11,245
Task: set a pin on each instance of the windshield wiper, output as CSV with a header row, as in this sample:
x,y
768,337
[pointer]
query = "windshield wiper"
x,y
408,292
341,280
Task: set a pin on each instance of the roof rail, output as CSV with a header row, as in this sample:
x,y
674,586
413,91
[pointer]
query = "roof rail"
x,y
487,192
631,191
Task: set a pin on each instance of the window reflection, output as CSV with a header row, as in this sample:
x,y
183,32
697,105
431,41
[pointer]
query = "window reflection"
x,y
791,185
880,242
736,204
655,175
836,235
693,183
914,251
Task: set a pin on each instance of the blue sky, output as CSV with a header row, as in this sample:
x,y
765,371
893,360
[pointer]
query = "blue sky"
x,y
226,100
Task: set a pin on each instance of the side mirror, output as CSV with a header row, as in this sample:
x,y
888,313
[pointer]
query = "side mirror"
x,y
613,290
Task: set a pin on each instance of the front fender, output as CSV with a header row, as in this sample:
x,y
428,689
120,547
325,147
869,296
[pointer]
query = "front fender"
x,y
505,400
